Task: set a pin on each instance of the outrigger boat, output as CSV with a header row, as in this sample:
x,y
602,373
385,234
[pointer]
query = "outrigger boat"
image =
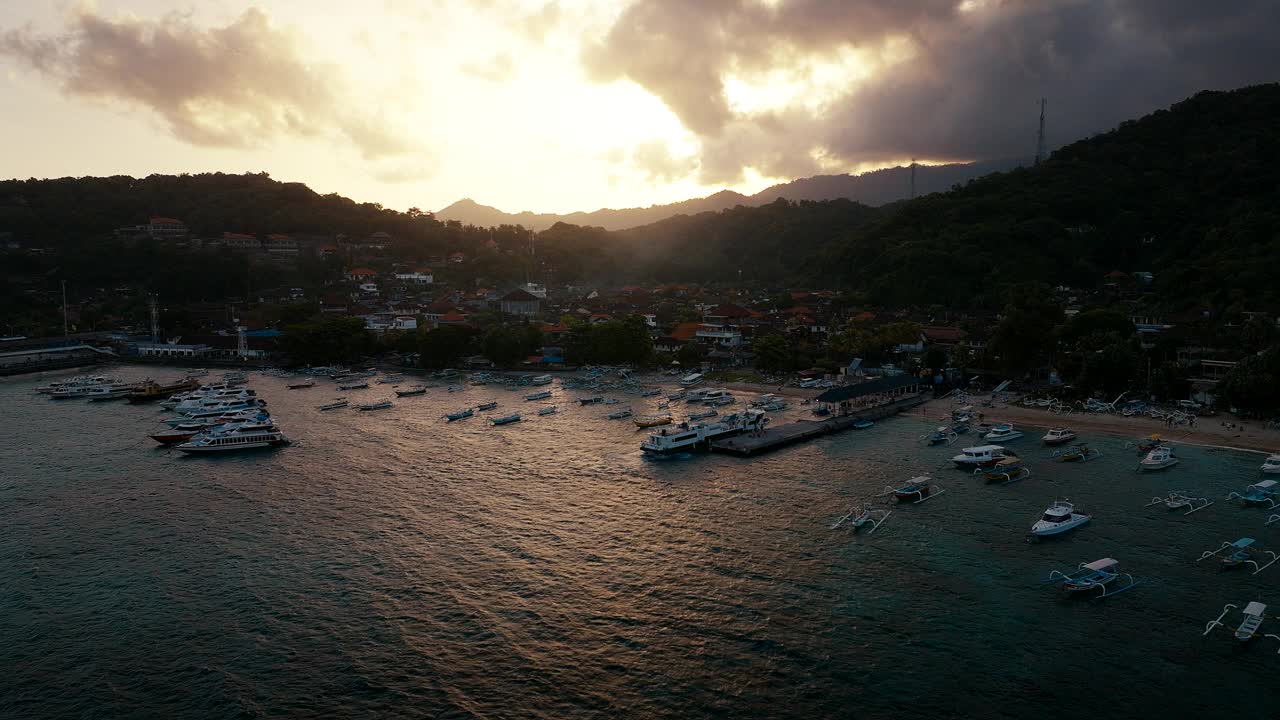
x,y
863,424
1097,575
379,405
1159,458
917,490
1178,499
335,404
619,414
1260,493
1002,433
703,415
1059,518
487,405
858,518
412,390
944,435
648,421
505,419
1253,615
459,415
1006,471
548,410
390,379
1149,443
1241,553
357,385
308,383
1058,436
593,400
543,395
1077,453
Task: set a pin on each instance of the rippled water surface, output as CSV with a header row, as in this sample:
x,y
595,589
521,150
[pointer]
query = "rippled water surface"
x,y
390,564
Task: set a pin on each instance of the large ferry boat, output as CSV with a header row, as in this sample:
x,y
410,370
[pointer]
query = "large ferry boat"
x,y
234,441
152,390
686,437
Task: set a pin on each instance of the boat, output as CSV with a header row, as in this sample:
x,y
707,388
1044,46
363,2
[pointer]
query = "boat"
x,y
981,456
917,490
1077,453
648,421
1059,518
863,424
717,397
1002,433
540,380
619,414
308,383
538,395
232,442
859,518
1262,492
677,396
390,379
1149,443
216,410
1058,436
412,390
455,388
151,390
1159,458
487,405
112,392
459,415
379,405
1239,553
1179,499
1101,575
688,437
1272,465
505,419
1253,616
703,415
356,385
196,373
612,401
1250,623
593,400
1006,471
943,435
651,392
694,396
690,380
548,410
335,404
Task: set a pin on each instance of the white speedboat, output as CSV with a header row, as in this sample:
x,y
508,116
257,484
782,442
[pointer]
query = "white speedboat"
x,y
234,441
981,456
1058,436
1003,432
216,410
540,380
1159,458
1272,465
1059,518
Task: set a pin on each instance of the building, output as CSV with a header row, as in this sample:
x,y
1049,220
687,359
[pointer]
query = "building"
x,y
946,337
160,228
281,245
240,241
361,274
167,350
520,302
717,334
417,276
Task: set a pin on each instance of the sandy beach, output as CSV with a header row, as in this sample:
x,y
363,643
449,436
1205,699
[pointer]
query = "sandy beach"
x,y
1208,432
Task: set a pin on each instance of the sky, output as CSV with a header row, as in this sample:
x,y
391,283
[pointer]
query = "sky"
x,y
563,105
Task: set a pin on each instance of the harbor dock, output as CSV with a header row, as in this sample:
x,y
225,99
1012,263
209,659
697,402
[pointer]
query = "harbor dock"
x,y
774,438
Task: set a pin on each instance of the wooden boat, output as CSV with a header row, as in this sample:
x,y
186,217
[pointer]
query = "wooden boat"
x,y
335,404
379,405
548,410
619,414
647,421
1263,492
1077,453
917,490
1006,471
859,518
357,385
703,415
593,400
459,415
1179,499
1239,553
1102,575
863,424
1250,623
505,419
151,390
543,395
487,405
412,390
302,385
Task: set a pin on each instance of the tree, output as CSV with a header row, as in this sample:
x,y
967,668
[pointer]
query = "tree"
x,y
1024,335
690,354
1253,385
327,339
1110,363
935,358
773,353
1096,321
443,346
1169,381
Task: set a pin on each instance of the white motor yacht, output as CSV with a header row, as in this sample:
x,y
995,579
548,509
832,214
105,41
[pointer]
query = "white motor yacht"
x,y
1272,465
1003,432
1060,517
981,456
1159,458
234,441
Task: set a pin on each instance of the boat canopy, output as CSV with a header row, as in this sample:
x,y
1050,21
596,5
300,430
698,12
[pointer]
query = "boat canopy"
x,y
982,449
1264,485
1242,543
1255,608
1103,564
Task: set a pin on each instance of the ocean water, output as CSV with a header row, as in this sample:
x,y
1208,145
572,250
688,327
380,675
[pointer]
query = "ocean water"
x,y
390,564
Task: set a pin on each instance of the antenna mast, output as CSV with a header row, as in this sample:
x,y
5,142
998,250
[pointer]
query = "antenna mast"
x,y
64,308
155,320
1040,136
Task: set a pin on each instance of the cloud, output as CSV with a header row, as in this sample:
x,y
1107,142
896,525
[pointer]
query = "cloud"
x,y
866,81
659,163
497,69
236,86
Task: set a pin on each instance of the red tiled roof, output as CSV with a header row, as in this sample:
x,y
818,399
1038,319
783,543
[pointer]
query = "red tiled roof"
x,y
729,310
453,317
165,221
361,272
556,328
237,236
277,236
686,331
424,270
944,334
864,316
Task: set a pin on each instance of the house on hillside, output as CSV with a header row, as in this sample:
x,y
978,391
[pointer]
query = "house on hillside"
x,y
361,274
417,276
240,241
278,244
944,337
160,228
520,302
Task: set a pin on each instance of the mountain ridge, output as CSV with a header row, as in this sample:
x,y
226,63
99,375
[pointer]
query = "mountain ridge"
x,y
874,188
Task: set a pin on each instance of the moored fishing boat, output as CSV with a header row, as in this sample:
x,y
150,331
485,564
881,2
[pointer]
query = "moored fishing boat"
x,y
543,395
354,385
619,414
334,404
981,456
1159,458
1077,453
151,390
379,405
1006,471
412,390
459,415
863,424
487,405
704,414
1058,436
540,380
1102,576
1263,492
506,419
916,490
647,421
302,384
593,400
233,442
548,410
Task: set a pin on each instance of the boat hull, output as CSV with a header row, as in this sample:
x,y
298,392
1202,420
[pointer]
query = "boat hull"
x,y
1042,529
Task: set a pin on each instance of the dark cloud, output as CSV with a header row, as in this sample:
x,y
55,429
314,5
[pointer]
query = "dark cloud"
x,y
968,88
233,86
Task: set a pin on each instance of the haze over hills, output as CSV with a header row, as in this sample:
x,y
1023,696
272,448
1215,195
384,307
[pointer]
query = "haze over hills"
x,y
875,188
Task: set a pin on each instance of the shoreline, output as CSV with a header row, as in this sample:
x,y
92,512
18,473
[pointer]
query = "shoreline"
x,y
1253,438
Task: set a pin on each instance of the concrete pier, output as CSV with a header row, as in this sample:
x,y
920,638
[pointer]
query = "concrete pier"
x,y
777,437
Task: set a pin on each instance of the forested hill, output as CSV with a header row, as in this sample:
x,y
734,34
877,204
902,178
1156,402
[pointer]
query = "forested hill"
x,y
1191,194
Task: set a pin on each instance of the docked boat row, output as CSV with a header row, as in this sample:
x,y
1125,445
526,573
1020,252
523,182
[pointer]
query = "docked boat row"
x,y
689,437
